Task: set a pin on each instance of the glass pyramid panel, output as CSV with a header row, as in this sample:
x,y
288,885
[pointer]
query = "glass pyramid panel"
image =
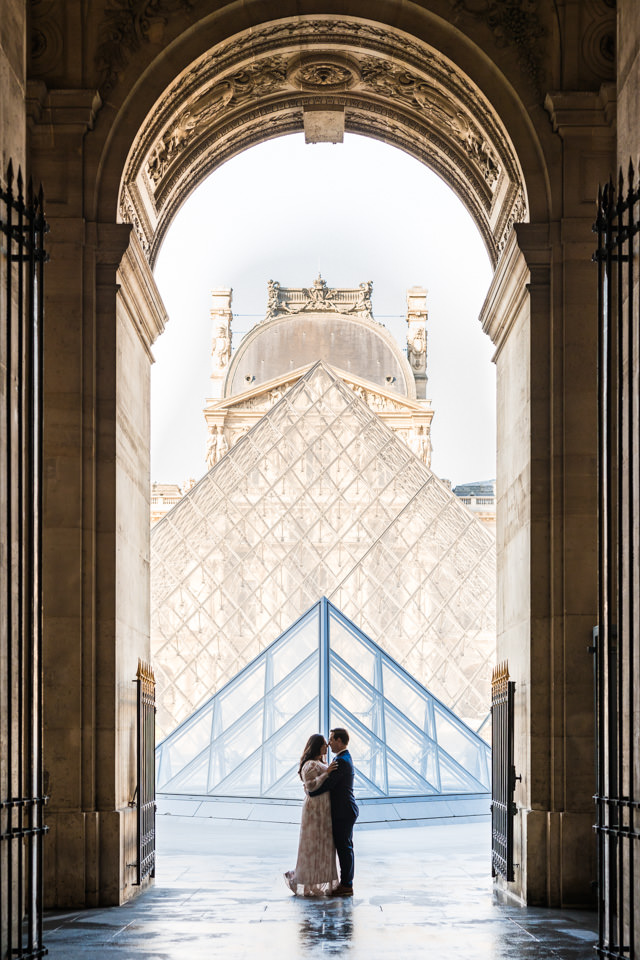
x,y
246,740
321,498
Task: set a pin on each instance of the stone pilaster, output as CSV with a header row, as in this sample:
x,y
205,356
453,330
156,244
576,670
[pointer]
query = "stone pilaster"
x,y
541,314
102,312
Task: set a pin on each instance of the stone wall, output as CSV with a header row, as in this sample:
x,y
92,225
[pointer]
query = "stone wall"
x,y
628,83
12,85
541,314
140,319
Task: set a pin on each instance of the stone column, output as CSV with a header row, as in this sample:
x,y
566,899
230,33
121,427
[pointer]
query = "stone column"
x,y
541,314
98,327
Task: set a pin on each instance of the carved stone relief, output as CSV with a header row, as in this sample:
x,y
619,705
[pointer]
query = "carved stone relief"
x,y
376,400
437,106
263,78
371,75
415,136
599,38
318,298
215,151
221,345
476,146
517,214
179,134
217,446
417,349
230,420
515,23
263,401
419,440
47,41
324,71
258,84
125,28
129,213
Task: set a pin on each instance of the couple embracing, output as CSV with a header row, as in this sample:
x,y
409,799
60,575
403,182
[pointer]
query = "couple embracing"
x,y
328,816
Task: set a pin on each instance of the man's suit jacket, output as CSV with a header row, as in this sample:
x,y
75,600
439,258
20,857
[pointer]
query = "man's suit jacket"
x,y
340,786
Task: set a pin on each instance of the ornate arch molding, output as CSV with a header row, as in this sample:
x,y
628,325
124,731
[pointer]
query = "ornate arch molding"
x,y
257,85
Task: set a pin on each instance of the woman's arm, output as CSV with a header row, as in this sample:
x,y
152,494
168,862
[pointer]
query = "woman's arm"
x,y
336,772
314,776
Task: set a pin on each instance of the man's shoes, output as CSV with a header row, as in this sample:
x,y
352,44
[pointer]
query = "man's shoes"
x,y
343,891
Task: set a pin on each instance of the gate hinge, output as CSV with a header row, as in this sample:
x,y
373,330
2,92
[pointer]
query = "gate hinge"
x,y
513,779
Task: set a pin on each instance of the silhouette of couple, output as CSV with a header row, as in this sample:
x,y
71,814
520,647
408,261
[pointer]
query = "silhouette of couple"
x,y
328,816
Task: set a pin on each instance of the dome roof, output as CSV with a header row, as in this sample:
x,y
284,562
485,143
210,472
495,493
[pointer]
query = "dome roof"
x,y
354,344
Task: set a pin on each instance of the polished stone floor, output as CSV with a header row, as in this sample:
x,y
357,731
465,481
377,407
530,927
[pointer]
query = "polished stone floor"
x,y
420,891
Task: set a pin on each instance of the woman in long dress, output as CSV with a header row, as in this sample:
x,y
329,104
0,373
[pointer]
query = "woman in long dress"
x,y
316,874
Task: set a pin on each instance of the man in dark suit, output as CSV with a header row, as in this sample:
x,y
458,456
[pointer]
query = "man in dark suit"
x,y
344,809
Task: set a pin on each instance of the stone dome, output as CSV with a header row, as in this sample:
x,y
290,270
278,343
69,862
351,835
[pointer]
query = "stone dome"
x,y
353,344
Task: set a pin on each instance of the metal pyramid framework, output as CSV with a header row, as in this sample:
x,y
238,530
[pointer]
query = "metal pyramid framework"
x,y
321,498
323,672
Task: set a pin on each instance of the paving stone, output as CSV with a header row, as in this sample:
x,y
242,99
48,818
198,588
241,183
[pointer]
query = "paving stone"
x,y
419,891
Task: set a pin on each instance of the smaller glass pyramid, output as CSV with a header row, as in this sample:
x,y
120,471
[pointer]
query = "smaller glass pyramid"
x,y
322,672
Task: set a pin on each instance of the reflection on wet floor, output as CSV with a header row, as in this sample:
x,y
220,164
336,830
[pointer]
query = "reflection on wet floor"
x,y
419,891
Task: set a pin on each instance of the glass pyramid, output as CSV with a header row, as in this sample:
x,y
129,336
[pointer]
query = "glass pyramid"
x,y
246,740
321,498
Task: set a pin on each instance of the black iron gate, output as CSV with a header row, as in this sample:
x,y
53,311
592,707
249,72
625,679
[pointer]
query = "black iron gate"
x,y
146,789
617,635
503,773
22,257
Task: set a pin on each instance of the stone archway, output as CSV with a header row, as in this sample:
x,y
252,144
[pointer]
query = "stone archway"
x,y
323,76
182,91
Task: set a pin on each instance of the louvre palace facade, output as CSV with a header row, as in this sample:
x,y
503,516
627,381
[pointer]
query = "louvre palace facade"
x,y
526,109
320,486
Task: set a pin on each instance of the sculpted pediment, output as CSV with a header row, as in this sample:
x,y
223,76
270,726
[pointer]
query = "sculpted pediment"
x,y
258,398
261,398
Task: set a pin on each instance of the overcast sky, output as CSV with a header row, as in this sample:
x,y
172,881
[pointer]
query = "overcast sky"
x,y
355,211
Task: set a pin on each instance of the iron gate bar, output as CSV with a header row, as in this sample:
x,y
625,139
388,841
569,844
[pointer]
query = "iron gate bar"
x,y
618,629
632,341
23,226
617,672
503,774
145,795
